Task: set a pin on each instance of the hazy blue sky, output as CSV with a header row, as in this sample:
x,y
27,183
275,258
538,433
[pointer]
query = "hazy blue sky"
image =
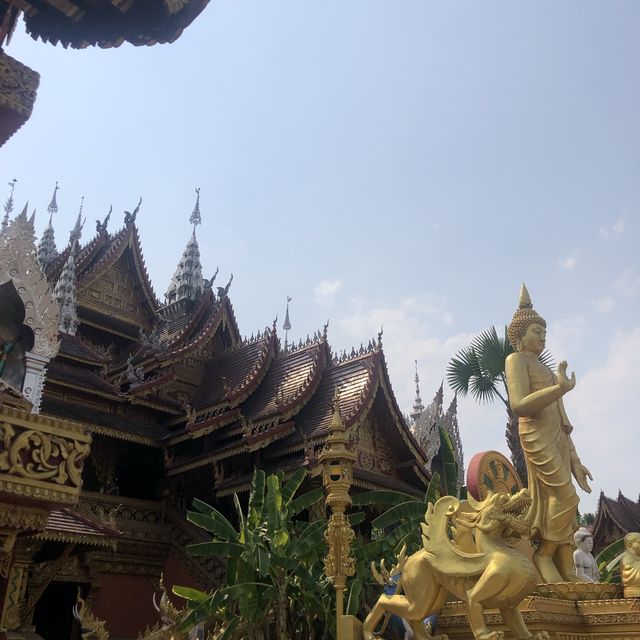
x,y
399,163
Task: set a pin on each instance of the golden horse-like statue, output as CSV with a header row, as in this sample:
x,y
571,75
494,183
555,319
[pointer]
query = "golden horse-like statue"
x,y
468,550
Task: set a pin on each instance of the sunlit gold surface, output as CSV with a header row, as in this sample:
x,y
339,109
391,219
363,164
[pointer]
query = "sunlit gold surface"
x,y
467,551
630,566
336,462
535,396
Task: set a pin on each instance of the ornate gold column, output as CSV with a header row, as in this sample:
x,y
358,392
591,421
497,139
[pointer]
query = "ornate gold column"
x,y
336,462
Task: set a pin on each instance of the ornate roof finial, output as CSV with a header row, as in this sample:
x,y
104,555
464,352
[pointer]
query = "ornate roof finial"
x,y
8,205
187,281
287,325
418,407
76,232
53,205
131,217
195,217
379,343
65,294
102,226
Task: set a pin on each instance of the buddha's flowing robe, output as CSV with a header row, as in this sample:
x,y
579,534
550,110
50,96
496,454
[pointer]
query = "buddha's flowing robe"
x,y
548,452
630,573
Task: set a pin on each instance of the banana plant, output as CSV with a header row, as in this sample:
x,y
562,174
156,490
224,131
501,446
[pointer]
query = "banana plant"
x,y
274,561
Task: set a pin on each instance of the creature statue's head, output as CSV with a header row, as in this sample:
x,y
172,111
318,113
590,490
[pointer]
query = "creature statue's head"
x,y
499,514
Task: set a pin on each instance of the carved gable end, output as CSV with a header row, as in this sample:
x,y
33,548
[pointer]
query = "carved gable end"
x,y
373,448
117,293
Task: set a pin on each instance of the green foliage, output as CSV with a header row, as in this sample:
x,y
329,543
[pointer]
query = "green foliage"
x,y
273,561
608,561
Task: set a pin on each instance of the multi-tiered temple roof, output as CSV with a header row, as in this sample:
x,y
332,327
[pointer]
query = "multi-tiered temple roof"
x,y
180,377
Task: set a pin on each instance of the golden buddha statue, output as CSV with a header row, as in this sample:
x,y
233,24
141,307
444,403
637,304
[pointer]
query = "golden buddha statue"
x,y
535,396
630,566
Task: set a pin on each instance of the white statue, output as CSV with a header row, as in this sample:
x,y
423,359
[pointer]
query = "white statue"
x,y
585,564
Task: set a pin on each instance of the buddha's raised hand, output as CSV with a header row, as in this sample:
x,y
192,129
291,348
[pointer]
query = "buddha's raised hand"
x,y
565,383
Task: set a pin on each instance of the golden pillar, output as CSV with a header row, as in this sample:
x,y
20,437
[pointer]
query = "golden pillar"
x,y
336,462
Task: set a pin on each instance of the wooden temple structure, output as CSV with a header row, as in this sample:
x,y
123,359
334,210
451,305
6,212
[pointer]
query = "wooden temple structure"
x,y
167,402
614,519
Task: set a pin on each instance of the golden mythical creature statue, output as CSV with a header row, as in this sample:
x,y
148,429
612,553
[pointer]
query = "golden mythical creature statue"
x,y
630,565
535,396
90,627
467,551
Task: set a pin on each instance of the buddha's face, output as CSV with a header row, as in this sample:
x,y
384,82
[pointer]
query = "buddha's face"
x,y
534,339
632,542
586,545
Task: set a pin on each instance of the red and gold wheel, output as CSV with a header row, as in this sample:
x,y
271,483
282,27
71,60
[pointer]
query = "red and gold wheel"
x,y
491,471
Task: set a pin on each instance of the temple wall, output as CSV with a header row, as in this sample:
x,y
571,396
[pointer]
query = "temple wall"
x,y
126,603
174,573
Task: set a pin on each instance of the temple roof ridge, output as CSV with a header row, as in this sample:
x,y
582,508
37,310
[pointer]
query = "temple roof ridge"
x,y
343,356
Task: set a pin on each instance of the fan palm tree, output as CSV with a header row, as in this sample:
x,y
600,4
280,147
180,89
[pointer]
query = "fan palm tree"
x,y
479,370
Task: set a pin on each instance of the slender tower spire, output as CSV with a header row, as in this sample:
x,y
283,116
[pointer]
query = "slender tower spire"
x,y
187,281
8,205
418,407
65,294
453,429
76,232
287,326
47,250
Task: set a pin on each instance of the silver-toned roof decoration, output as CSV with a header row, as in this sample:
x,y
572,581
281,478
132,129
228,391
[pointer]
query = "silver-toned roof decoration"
x,y
76,232
426,427
8,205
451,427
345,355
47,250
195,218
187,281
418,407
286,325
65,294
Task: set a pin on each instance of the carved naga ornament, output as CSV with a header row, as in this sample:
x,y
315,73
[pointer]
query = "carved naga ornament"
x,y
18,264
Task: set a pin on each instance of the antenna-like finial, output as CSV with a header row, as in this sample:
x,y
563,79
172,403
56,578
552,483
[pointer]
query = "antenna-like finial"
x,y
287,325
8,205
195,218
53,205
418,407
76,232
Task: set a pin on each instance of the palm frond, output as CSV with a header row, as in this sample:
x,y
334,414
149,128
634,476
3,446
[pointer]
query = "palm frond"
x,y
492,351
484,389
461,370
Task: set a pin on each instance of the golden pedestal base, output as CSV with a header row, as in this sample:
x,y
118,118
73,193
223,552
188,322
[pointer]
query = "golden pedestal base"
x,y
614,619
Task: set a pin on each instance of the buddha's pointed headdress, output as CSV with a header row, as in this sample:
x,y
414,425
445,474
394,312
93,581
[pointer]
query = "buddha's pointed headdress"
x,y
524,316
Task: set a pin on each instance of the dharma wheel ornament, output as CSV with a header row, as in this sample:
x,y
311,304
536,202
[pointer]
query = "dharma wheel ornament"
x,y
336,464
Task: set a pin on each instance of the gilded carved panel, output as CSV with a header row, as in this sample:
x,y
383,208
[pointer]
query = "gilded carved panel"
x,y
372,448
